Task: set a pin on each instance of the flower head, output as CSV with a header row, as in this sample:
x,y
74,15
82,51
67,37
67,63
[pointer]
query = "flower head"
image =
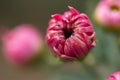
x,y
107,14
114,76
21,44
70,36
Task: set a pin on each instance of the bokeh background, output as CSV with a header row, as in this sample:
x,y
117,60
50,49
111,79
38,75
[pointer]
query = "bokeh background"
x,y
98,65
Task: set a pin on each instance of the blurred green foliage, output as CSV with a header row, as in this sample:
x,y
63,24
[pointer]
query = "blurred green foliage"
x,y
102,60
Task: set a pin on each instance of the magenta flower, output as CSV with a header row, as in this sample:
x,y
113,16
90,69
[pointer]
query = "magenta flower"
x,y
70,36
107,14
21,44
114,76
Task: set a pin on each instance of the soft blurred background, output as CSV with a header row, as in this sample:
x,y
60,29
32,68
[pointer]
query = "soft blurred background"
x,y
102,60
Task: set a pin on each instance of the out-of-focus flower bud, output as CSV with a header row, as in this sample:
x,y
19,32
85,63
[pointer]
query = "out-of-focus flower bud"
x,y
114,76
107,14
21,44
70,36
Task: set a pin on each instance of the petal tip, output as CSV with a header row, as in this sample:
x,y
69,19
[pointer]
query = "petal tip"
x,y
57,16
73,10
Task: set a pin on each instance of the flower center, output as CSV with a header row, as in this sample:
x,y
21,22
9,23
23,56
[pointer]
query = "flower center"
x,y
115,8
67,32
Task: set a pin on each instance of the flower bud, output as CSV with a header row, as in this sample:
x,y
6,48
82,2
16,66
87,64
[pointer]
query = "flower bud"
x,y
70,36
114,76
21,44
107,14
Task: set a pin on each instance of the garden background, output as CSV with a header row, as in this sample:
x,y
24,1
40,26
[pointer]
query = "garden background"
x,y
98,65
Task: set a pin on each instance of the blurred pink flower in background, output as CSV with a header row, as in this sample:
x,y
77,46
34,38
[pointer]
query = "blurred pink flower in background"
x,y
114,76
70,36
21,44
107,14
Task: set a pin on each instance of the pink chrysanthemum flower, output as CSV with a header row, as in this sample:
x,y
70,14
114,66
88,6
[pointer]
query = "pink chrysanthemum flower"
x,y
70,36
21,44
114,76
107,14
